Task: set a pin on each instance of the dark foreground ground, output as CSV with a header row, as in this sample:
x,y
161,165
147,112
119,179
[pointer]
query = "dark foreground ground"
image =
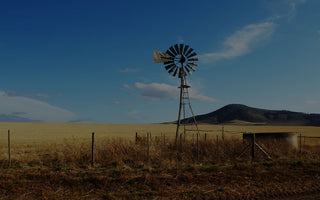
x,y
286,179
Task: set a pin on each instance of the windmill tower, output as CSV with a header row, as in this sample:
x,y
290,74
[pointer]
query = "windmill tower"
x,y
180,60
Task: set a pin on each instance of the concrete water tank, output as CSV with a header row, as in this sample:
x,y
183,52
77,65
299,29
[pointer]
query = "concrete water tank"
x,y
289,137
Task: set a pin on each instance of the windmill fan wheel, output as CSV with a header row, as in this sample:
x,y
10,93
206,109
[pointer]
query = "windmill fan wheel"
x,y
181,60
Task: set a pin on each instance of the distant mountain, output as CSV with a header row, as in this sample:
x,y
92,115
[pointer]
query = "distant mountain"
x,y
241,114
15,118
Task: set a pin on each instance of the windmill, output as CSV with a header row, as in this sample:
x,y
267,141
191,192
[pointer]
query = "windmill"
x,y
180,60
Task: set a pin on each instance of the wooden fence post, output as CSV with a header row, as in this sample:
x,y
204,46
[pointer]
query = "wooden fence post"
x,y
222,132
181,142
300,144
9,149
217,144
136,137
164,139
197,146
205,137
92,150
253,145
148,147
193,139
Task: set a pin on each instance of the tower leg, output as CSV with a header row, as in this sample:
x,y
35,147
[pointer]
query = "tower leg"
x,y
180,108
194,118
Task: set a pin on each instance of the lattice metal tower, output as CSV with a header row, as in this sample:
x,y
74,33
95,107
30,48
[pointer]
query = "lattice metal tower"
x,y
180,59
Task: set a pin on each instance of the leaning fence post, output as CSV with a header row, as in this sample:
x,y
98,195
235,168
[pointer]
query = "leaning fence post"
x,y
92,150
9,148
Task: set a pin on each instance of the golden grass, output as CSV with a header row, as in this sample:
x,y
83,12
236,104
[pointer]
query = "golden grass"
x,y
58,132
167,152
30,133
122,171
52,161
31,137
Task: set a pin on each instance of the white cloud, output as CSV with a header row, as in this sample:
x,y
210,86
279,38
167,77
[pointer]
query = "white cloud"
x,y
283,9
33,109
293,7
311,102
293,3
133,115
242,41
157,91
26,94
127,86
199,97
118,102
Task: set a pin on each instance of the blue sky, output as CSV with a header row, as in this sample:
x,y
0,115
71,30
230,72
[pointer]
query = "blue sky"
x,y
92,61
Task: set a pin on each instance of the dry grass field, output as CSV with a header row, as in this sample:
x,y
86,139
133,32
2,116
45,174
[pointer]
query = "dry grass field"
x,y
52,161
25,133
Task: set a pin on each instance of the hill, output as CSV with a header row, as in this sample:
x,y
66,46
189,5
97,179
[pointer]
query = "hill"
x,y
241,114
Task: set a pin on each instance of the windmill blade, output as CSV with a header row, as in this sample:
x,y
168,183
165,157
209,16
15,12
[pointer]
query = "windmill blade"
x,y
173,68
171,54
169,62
175,72
185,49
193,54
173,51
192,68
188,70
169,66
193,59
181,48
189,51
176,47
192,63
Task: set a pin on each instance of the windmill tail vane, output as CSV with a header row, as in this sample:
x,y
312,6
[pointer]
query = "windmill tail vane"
x,y
160,57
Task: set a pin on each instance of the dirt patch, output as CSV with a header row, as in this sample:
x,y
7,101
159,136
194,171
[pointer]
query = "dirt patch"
x,y
273,180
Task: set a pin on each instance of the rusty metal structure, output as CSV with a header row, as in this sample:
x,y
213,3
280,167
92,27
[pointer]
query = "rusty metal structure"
x,y
180,60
